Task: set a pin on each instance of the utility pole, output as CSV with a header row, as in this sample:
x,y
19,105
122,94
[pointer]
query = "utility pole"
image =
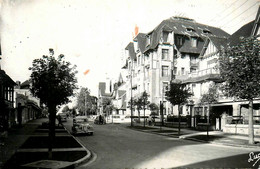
x,y
131,102
85,104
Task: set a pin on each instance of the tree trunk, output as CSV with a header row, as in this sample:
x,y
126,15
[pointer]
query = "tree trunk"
x,y
179,116
250,122
144,117
138,115
52,119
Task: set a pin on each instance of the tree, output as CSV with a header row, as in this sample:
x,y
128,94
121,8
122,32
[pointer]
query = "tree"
x,y
240,69
141,103
65,109
53,81
107,105
83,101
154,109
210,97
178,95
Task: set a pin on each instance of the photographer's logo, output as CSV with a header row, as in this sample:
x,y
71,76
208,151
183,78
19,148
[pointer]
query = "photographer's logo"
x,y
254,158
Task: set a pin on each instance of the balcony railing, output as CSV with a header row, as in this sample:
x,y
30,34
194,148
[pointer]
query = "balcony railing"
x,y
210,73
204,72
194,63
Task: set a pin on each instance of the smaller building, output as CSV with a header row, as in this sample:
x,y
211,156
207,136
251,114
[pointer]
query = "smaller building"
x,y
6,101
27,106
104,94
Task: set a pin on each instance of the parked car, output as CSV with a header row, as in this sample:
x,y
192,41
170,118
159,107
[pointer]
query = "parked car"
x,y
81,126
117,119
127,119
100,121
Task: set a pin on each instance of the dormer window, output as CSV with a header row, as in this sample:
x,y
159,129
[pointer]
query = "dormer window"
x,y
148,41
165,37
193,42
190,29
178,40
206,31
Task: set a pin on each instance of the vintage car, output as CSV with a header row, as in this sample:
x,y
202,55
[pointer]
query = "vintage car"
x,y
81,126
100,120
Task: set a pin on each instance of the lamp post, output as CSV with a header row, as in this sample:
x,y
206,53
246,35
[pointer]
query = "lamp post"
x,y
85,103
131,101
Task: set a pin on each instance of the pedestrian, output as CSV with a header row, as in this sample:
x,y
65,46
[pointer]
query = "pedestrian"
x,y
59,120
100,119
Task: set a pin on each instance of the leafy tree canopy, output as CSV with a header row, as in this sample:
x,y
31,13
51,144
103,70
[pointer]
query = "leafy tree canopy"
x,y
154,107
211,96
65,109
240,69
142,101
83,100
178,94
53,80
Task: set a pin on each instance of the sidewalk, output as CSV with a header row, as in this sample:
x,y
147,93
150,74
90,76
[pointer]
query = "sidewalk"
x,y
214,137
12,146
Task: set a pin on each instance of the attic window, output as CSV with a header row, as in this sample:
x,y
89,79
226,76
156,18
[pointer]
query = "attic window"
x,y
148,41
193,42
165,36
206,31
190,29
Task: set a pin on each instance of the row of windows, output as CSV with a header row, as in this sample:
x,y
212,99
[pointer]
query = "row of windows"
x,y
165,71
179,39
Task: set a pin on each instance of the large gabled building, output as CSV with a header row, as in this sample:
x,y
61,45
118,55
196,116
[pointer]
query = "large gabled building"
x,y
207,75
170,51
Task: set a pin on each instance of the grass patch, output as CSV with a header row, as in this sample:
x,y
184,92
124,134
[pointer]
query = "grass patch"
x,y
22,158
43,142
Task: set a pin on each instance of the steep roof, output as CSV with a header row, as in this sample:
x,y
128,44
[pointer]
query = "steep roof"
x,y
180,26
25,84
131,49
141,38
5,79
244,31
121,93
257,23
218,42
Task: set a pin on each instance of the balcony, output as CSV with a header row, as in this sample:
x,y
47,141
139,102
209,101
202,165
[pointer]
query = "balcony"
x,y
206,74
194,64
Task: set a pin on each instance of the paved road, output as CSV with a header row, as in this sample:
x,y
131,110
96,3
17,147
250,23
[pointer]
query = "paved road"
x,y
119,147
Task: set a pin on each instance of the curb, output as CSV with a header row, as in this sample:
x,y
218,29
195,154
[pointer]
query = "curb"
x,y
220,143
84,159
201,141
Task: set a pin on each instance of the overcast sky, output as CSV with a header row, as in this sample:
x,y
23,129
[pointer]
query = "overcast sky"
x,y
93,33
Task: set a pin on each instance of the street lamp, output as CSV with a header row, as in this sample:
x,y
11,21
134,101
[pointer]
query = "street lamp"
x,y
131,101
85,102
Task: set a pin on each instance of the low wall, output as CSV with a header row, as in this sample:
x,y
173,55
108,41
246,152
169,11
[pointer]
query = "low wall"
x,y
240,129
173,124
204,127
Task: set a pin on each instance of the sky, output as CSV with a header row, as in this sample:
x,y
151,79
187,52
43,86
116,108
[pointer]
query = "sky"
x,y
93,34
